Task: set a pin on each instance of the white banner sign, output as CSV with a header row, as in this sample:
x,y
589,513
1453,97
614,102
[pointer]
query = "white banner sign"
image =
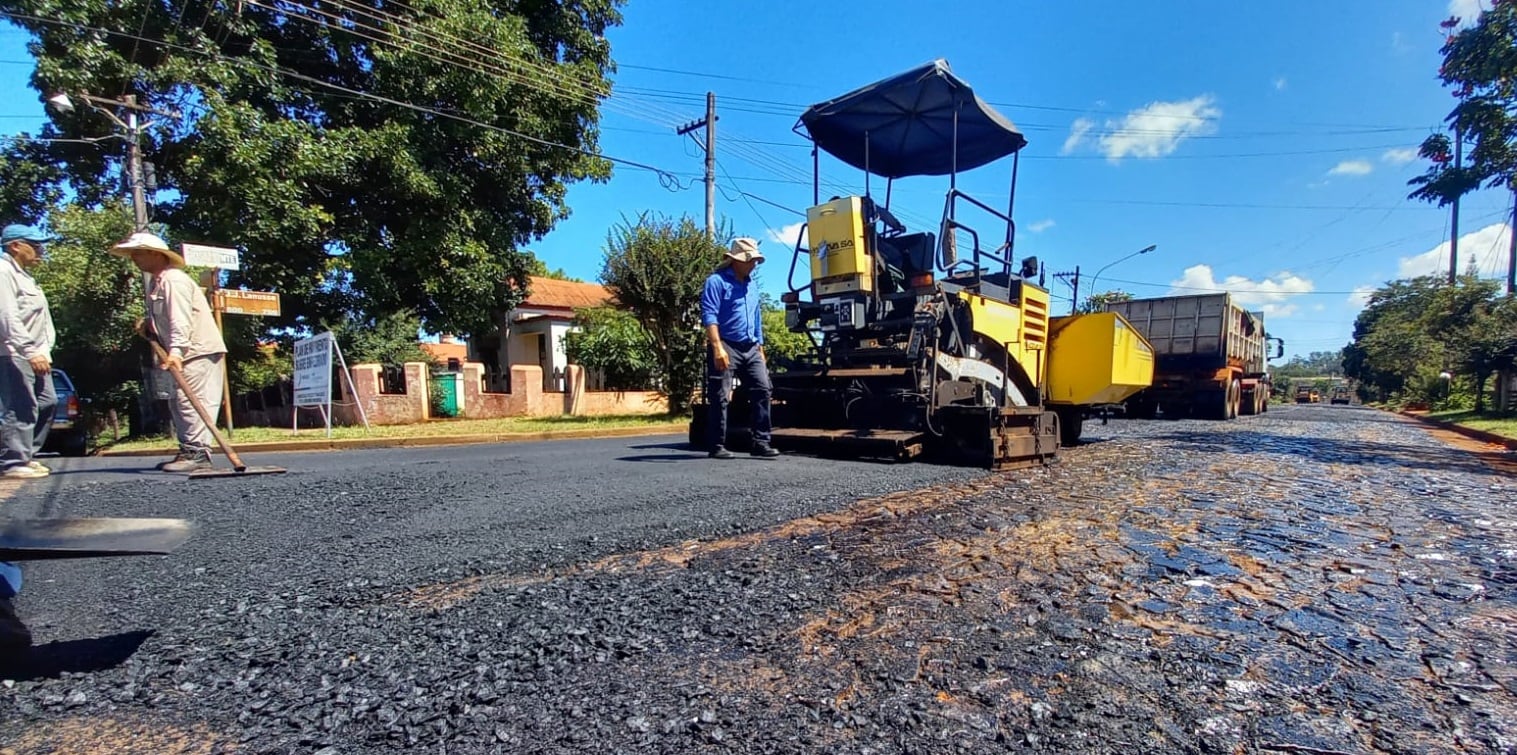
x,y
221,258
313,371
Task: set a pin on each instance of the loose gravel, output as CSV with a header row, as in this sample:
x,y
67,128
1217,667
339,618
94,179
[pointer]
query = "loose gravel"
x,y
1317,579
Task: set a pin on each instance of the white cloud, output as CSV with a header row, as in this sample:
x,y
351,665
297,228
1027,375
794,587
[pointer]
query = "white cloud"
x,y
1486,249
1271,295
1352,168
788,235
1281,83
1040,226
1077,132
1468,11
1158,128
1360,296
1400,156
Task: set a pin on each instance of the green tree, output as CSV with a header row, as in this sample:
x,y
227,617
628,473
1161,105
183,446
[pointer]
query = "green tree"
x,y
780,344
1480,65
612,342
95,299
655,268
389,340
292,148
1315,364
540,269
1097,302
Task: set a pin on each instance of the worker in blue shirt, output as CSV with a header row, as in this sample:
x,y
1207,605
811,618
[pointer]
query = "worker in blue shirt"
x,y
735,346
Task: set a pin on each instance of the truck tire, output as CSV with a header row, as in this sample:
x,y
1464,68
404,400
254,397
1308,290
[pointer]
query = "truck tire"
x,y
1250,403
1234,398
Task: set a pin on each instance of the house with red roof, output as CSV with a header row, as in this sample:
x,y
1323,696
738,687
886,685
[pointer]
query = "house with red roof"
x,y
533,333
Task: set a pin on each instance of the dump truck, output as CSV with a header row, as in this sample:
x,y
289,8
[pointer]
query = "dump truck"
x,y
934,344
1211,356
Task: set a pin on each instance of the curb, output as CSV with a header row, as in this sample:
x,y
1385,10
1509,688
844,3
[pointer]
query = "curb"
x,y
1480,435
434,440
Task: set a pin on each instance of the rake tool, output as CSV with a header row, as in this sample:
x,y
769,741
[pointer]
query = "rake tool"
x,y
239,469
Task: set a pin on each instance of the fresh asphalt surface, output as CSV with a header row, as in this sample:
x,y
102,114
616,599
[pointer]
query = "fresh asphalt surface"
x,y
394,519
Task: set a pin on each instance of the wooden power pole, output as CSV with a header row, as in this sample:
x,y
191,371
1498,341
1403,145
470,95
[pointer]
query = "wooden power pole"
x,y
1454,224
709,123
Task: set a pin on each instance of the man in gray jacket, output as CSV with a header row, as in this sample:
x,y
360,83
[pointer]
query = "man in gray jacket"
x,y
27,396
180,320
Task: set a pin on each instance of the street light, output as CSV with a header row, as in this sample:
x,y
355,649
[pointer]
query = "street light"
x,y
1144,250
63,103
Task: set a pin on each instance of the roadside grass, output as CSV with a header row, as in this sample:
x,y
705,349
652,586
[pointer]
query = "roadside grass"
x,y
431,429
1489,422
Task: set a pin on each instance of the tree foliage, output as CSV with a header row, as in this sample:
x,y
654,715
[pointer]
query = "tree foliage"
x,y
1414,331
1317,363
1097,302
655,268
389,340
612,342
780,344
1480,66
95,298
537,267
339,201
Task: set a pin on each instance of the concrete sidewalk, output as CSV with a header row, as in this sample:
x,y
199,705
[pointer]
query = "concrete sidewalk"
x,y
332,444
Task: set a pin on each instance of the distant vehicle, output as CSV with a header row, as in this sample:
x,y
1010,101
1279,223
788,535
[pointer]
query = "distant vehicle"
x,y
1307,395
68,435
1341,395
1211,356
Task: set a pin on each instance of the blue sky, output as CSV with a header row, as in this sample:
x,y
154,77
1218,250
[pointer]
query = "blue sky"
x,y
1264,148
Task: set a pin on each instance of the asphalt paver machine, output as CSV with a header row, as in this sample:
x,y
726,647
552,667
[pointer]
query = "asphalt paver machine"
x,y
928,343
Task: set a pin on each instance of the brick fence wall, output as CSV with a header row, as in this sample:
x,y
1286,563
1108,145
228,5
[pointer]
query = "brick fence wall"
x,y
528,400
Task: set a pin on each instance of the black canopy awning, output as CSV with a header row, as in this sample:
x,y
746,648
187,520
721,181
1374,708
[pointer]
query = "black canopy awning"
x,y
908,121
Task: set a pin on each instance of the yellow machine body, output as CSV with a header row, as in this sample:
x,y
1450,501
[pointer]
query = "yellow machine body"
x,y
839,261
1021,326
1097,358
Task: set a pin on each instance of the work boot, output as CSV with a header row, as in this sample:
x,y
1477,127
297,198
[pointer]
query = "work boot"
x,y
23,472
193,462
40,467
765,451
720,452
13,634
178,457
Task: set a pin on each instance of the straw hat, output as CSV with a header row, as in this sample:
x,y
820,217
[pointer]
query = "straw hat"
x,y
743,249
143,240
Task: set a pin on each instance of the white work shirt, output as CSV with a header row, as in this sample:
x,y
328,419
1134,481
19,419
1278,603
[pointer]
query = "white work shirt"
x,y
26,325
181,316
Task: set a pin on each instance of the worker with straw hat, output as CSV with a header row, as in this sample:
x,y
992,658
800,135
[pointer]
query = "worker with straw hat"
x,y
179,318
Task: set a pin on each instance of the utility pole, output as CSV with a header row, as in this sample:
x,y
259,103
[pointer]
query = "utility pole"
x,y
1454,225
134,163
1511,249
1074,301
709,123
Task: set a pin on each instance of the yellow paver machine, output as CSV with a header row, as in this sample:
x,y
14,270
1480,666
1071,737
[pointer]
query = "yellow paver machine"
x,y
927,343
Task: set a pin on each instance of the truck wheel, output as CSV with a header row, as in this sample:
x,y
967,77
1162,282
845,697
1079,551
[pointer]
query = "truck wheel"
x,y
1250,403
1234,398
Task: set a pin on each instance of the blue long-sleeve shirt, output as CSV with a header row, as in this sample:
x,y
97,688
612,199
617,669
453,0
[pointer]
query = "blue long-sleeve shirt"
x,y
733,307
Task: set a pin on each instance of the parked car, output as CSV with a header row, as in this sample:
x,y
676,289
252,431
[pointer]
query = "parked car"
x,y
68,435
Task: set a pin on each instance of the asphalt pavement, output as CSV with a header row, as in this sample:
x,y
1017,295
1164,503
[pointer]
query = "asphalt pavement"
x,y
1320,579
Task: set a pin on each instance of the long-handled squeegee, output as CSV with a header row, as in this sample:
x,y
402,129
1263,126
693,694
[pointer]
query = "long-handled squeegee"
x,y
238,469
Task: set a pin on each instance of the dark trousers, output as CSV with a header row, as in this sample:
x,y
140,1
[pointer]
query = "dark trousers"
x,y
27,401
745,363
